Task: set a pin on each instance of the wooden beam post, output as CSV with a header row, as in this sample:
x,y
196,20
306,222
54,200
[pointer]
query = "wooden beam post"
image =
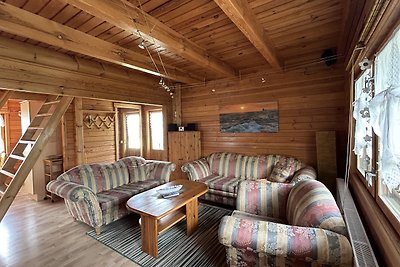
x,y
240,12
4,98
120,13
23,23
79,142
177,105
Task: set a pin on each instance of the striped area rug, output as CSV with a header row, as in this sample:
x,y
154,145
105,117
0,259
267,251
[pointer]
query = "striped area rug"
x,y
175,248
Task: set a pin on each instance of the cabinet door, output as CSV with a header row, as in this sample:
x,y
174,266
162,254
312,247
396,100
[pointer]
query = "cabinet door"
x,y
183,147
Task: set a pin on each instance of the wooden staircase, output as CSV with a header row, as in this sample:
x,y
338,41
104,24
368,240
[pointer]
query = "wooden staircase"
x,y
25,153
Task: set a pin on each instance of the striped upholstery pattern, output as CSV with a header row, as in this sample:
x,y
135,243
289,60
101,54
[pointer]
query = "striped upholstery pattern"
x,y
311,204
228,164
221,170
112,202
96,193
160,170
259,167
197,169
260,243
221,183
263,198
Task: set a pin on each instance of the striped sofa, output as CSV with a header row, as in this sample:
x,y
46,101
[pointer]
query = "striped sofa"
x,y
96,194
223,171
279,224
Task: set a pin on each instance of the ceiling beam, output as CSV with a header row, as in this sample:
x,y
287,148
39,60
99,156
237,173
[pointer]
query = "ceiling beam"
x,y
23,23
29,68
240,12
127,16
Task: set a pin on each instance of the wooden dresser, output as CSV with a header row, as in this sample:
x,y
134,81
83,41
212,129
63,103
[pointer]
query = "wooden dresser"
x,y
183,147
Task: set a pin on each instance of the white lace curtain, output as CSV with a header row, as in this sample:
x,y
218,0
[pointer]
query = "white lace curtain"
x,y
384,111
363,132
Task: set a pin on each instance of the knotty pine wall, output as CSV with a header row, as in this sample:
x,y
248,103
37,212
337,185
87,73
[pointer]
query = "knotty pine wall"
x,y
309,100
15,131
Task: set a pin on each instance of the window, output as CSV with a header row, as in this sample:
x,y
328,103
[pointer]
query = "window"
x,y
156,130
133,130
377,115
385,119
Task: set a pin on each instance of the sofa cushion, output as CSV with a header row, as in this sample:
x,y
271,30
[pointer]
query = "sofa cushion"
x,y
89,175
113,199
198,169
140,173
311,204
114,174
284,169
221,183
228,164
158,170
259,167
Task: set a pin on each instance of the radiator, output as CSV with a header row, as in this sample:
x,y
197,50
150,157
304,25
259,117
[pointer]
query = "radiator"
x,y
363,254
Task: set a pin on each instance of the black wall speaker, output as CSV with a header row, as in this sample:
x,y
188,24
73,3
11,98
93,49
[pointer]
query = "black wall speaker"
x,y
172,127
329,56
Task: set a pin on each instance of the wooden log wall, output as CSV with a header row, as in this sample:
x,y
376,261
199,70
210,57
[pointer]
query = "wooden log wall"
x,y
309,100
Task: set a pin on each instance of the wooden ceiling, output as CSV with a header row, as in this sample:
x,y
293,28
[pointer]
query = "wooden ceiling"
x,y
197,40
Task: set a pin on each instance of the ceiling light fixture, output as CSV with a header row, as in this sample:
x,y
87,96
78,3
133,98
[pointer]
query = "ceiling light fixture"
x,y
141,45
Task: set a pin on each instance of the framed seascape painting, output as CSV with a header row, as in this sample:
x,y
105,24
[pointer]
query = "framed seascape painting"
x,y
249,118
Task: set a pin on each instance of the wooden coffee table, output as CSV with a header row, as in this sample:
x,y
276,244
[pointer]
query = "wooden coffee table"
x,y
157,214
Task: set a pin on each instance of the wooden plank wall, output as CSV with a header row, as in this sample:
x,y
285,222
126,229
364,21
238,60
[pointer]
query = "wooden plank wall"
x,y
99,144
14,122
309,100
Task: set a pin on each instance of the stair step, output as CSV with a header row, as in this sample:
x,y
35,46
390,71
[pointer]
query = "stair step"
x,y
51,102
44,115
35,128
9,174
17,157
3,189
27,141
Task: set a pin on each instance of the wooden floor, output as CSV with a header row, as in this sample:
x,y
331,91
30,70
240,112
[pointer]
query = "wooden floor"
x,y
44,234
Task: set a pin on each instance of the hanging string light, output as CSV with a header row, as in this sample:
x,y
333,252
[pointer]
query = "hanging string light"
x,y
142,45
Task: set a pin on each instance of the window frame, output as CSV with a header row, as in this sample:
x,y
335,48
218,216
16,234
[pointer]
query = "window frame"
x,y
150,138
375,188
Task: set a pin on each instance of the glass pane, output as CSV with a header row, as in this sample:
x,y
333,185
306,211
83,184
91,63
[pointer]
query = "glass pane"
x,y
133,130
363,133
157,130
391,199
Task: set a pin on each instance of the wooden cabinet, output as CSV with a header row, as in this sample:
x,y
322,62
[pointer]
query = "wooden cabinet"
x,y
183,147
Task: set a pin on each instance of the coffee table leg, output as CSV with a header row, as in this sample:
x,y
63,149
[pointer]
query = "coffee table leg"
x,y
192,216
149,235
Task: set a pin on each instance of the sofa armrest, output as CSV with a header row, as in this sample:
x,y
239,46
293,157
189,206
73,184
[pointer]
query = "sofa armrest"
x,y
281,241
161,170
306,173
197,169
81,201
264,198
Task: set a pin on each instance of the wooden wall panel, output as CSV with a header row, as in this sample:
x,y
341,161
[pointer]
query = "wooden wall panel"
x,y
99,144
14,122
309,100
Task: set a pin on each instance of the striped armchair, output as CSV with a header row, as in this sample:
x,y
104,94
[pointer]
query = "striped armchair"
x,y
222,172
96,194
278,224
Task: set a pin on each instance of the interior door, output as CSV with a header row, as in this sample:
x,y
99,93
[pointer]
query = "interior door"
x,y
130,132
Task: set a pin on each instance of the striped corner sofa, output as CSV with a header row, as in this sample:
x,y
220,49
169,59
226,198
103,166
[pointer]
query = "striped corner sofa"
x,y
278,224
223,171
96,194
